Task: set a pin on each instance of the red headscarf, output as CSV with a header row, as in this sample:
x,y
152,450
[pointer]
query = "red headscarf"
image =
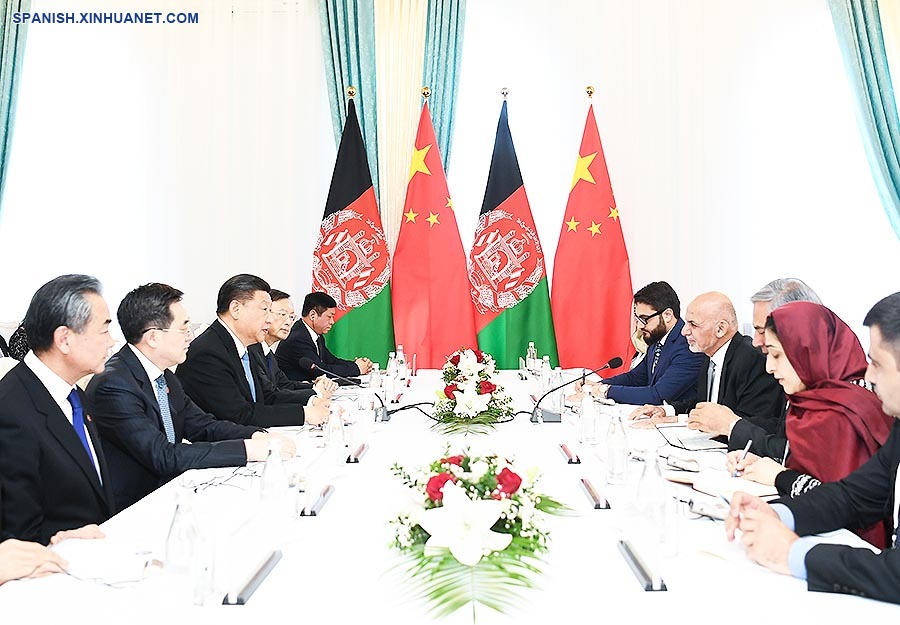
x,y
834,425
824,418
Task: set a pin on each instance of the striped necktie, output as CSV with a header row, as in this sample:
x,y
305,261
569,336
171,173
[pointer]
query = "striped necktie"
x,y
162,396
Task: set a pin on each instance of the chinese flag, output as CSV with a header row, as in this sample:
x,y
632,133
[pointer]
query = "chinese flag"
x,y
591,294
433,314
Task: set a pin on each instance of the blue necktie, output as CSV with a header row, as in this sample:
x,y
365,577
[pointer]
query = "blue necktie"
x,y
245,360
162,396
656,353
78,423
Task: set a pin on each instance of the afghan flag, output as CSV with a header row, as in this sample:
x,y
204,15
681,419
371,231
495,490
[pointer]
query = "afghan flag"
x,y
351,261
506,265
594,316
433,314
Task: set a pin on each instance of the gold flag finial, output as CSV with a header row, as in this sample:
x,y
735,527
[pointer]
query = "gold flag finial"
x,y
590,91
426,92
351,91
504,92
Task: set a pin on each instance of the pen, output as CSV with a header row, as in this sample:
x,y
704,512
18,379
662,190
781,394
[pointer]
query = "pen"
x,y
787,447
743,457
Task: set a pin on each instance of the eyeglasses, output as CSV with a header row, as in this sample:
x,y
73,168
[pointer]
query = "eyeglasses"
x,y
644,319
185,331
284,315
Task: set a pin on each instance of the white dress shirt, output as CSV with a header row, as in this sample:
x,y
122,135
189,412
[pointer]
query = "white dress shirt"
x,y
59,390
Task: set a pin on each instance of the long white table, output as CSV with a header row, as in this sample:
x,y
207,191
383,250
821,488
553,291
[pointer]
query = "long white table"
x,y
337,567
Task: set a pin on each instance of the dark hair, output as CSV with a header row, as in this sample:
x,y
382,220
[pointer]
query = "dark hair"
x,y
770,325
317,301
279,295
60,302
885,315
146,307
659,296
241,288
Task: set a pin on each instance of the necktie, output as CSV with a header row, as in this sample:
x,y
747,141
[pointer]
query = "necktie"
x,y
710,378
162,396
245,360
896,508
319,342
270,363
78,423
656,353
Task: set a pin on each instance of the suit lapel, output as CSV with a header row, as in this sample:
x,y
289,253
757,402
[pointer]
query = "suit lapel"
x,y
148,388
235,360
58,425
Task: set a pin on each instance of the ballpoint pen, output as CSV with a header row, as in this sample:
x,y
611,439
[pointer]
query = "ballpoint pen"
x,y
743,457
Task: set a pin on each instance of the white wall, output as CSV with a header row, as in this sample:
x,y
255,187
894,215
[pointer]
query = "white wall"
x,y
185,154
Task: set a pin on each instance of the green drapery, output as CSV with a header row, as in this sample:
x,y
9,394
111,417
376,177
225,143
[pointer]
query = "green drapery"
x,y
443,51
12,51
348,41
858,27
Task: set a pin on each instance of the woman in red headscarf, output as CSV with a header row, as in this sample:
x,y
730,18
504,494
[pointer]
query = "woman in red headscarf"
x,y
834,422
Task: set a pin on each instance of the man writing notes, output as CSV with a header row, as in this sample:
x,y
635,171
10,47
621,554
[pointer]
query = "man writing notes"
x,y
780,536
669,371
307,340
736,373
262,355
53,473
217,373
768,438
143,413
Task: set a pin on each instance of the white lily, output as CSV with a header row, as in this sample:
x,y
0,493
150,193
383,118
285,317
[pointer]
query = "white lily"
x,y
463,526
469,403
469,365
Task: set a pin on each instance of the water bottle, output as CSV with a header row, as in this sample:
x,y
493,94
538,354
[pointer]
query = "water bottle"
x,y
531,357
402,368
375,377
616,445
274,479
546,371
589,418
390,379
182,537
558,397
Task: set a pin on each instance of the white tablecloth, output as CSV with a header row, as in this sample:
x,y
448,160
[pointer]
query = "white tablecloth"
x,y
337,567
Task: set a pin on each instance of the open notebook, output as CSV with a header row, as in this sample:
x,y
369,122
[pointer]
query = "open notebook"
x,y
682,437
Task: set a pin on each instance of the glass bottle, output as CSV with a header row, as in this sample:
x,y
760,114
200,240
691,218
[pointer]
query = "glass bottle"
x,y
546,371
589,418
616,445
182,538
531,357
402,368
558,397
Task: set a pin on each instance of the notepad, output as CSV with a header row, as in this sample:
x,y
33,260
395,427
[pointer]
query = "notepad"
x,y
681,436
720,483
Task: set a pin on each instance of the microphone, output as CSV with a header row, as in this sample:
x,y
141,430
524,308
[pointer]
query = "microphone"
x,y
307,364
614,363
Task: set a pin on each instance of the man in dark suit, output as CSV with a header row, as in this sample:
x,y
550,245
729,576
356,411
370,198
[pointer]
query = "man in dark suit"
x,y
275,383
218,374
669,371
735,375
768,439
143,413
780,536
53,473
307,340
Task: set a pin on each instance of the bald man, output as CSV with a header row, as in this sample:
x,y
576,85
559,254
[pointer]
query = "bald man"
x,y
735,375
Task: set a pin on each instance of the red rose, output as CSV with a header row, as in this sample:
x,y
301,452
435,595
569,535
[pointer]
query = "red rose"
x,y
455,360
436,483
479,355
450,389
508,482
486,387
457,460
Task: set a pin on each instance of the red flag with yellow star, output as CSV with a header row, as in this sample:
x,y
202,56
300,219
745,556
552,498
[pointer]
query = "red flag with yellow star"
x,y
433,314
591,294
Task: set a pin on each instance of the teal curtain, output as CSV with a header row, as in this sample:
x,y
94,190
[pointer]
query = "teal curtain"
x,y
443,51
12,51
348,39
858,28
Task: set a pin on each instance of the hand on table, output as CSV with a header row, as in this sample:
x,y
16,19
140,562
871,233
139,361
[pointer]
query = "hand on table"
x,y
767,539
364,364
91,531
753,467
20,559
325,387
261,451
712,418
